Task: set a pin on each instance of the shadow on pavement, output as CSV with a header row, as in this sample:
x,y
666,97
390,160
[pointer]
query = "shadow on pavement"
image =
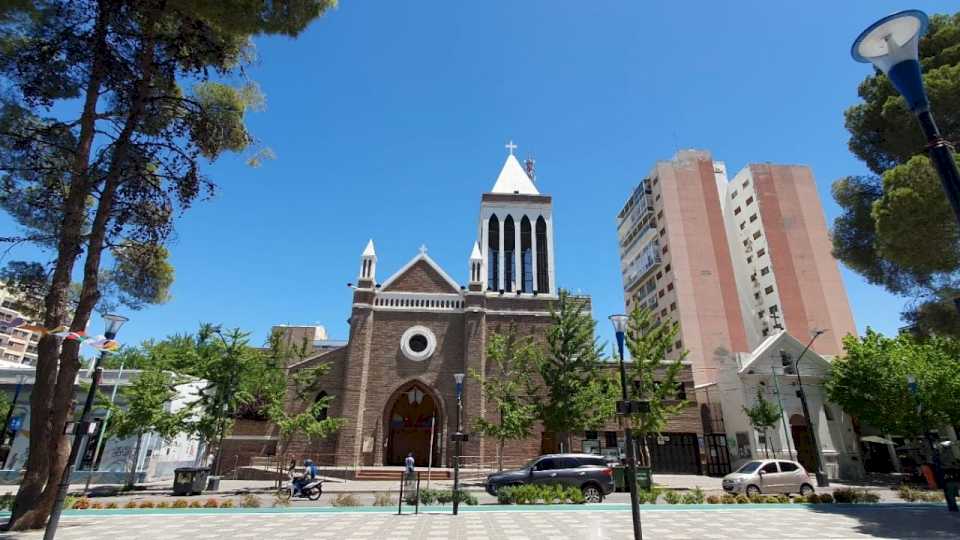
x,y
898,521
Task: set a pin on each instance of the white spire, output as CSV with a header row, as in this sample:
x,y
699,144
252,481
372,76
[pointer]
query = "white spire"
x,y
369,251
513,179
475,254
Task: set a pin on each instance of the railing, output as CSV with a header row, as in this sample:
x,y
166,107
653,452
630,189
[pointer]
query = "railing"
x,y
418,301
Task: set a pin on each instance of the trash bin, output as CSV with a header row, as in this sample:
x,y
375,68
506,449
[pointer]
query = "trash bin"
x,y
190,480
213,483
644,480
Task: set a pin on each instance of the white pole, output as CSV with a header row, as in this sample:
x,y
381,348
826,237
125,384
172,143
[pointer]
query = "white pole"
x,y
433,420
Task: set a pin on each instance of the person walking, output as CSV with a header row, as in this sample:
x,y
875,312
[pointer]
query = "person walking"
x,y
409,467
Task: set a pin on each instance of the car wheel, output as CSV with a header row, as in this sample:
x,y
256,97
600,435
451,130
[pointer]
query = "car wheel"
x,y
752,490
806,489
591,493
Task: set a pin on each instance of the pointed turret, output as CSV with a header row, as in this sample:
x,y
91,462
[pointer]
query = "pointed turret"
x,y
513,179
476,266
368,266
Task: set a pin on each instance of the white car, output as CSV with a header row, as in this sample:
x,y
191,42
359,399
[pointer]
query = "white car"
x,y
768,476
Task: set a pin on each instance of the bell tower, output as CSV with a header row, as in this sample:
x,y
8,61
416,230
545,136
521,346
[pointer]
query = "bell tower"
x,y
368,267
516,234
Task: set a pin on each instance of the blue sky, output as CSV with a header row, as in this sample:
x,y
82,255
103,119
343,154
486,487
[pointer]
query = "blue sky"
x,y
389,119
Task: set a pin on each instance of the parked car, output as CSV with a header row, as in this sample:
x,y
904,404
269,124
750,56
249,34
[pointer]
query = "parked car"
x,y
588,472
768,476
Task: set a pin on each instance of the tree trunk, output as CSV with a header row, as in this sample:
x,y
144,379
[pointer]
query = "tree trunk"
x,y
47,445
132,474
49,413
500,445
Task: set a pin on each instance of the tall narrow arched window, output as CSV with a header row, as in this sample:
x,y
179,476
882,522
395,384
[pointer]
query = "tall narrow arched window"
x,y
526,256
493,254
543,274
509,247
321,413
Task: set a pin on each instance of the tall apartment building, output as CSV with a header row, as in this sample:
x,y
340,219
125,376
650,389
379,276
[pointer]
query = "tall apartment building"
x,y
675,260
17,345
786,276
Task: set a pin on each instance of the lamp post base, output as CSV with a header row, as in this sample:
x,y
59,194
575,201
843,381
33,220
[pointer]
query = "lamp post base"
x,y
822,480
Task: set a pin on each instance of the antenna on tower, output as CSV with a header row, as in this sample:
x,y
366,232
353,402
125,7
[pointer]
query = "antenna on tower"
x,y
528,165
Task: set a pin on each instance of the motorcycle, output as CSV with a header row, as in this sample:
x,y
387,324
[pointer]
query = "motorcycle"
x,y
311,490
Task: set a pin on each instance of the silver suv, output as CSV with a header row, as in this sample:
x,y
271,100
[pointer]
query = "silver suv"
x,y
588,472
768,476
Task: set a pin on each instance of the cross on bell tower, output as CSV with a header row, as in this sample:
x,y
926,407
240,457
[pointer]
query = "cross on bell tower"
x,y
510,146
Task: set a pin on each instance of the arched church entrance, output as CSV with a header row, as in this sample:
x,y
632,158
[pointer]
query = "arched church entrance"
x,y
801,440
413,418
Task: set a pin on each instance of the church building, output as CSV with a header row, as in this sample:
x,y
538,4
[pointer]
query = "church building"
x,y
410,333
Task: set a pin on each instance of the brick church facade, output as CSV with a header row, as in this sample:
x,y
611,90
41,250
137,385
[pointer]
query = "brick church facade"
x,y
393,382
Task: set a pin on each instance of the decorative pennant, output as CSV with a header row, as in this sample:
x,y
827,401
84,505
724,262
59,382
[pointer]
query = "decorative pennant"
x,y
101,343
16,322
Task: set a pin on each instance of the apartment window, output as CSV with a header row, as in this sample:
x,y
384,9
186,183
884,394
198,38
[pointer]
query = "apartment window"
x,y
665,249
681,391
753,218
746,183
655,180
774,308
756,296
765,270
736,211
742,225
590,435
768,290
660,293
761,252
663,312
749,201
663,231
610,439
678,344
657,198
760,314
660,214
766,332
734,194
659,275
670,286
669,348
756,235
753,276
746,242
666,268
673,306
749,259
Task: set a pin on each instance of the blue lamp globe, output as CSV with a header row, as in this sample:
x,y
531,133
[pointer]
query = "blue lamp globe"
x,y
890,44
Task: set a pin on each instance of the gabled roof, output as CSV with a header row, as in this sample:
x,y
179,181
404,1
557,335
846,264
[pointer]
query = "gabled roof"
x,y
422,263
513,179
475,254
769,351
369,251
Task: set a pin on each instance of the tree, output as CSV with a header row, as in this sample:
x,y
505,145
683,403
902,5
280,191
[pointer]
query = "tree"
x,y
763,415
897,228
508,386
577,394
653,377
870,382
147,402
109,110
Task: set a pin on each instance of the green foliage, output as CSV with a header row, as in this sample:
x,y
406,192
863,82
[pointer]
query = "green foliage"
x,y
763,415
853,495
900,232
728,499
655,378
578,394
870,382
539,493
672,497
742,499
826,498
649,496
147,400
6,501
812,498
910,494
508,387
696,496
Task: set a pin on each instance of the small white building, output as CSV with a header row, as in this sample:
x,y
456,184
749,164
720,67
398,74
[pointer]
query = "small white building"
x,y
739,377
156,460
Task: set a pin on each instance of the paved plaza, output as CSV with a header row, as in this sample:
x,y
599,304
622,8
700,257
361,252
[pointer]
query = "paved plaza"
x,y
875,521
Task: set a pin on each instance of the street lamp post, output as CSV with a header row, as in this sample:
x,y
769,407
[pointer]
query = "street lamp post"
x,y
458,439
822,480
81,429
623,408
890,44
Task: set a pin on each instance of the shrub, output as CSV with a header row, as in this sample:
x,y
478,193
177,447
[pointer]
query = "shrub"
x,y
163,504
845,495
227,504
180,503
506,495
575,496
782,499
552,493
211,503
111,505
195,504
6,501
697,496
826,498
249,500
728,499
464,497
713,499
96,506
383,499
742,499
146,504
907,493
931,496
757,499
671,497
649,497
345,499
812,498
81,503
130,504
